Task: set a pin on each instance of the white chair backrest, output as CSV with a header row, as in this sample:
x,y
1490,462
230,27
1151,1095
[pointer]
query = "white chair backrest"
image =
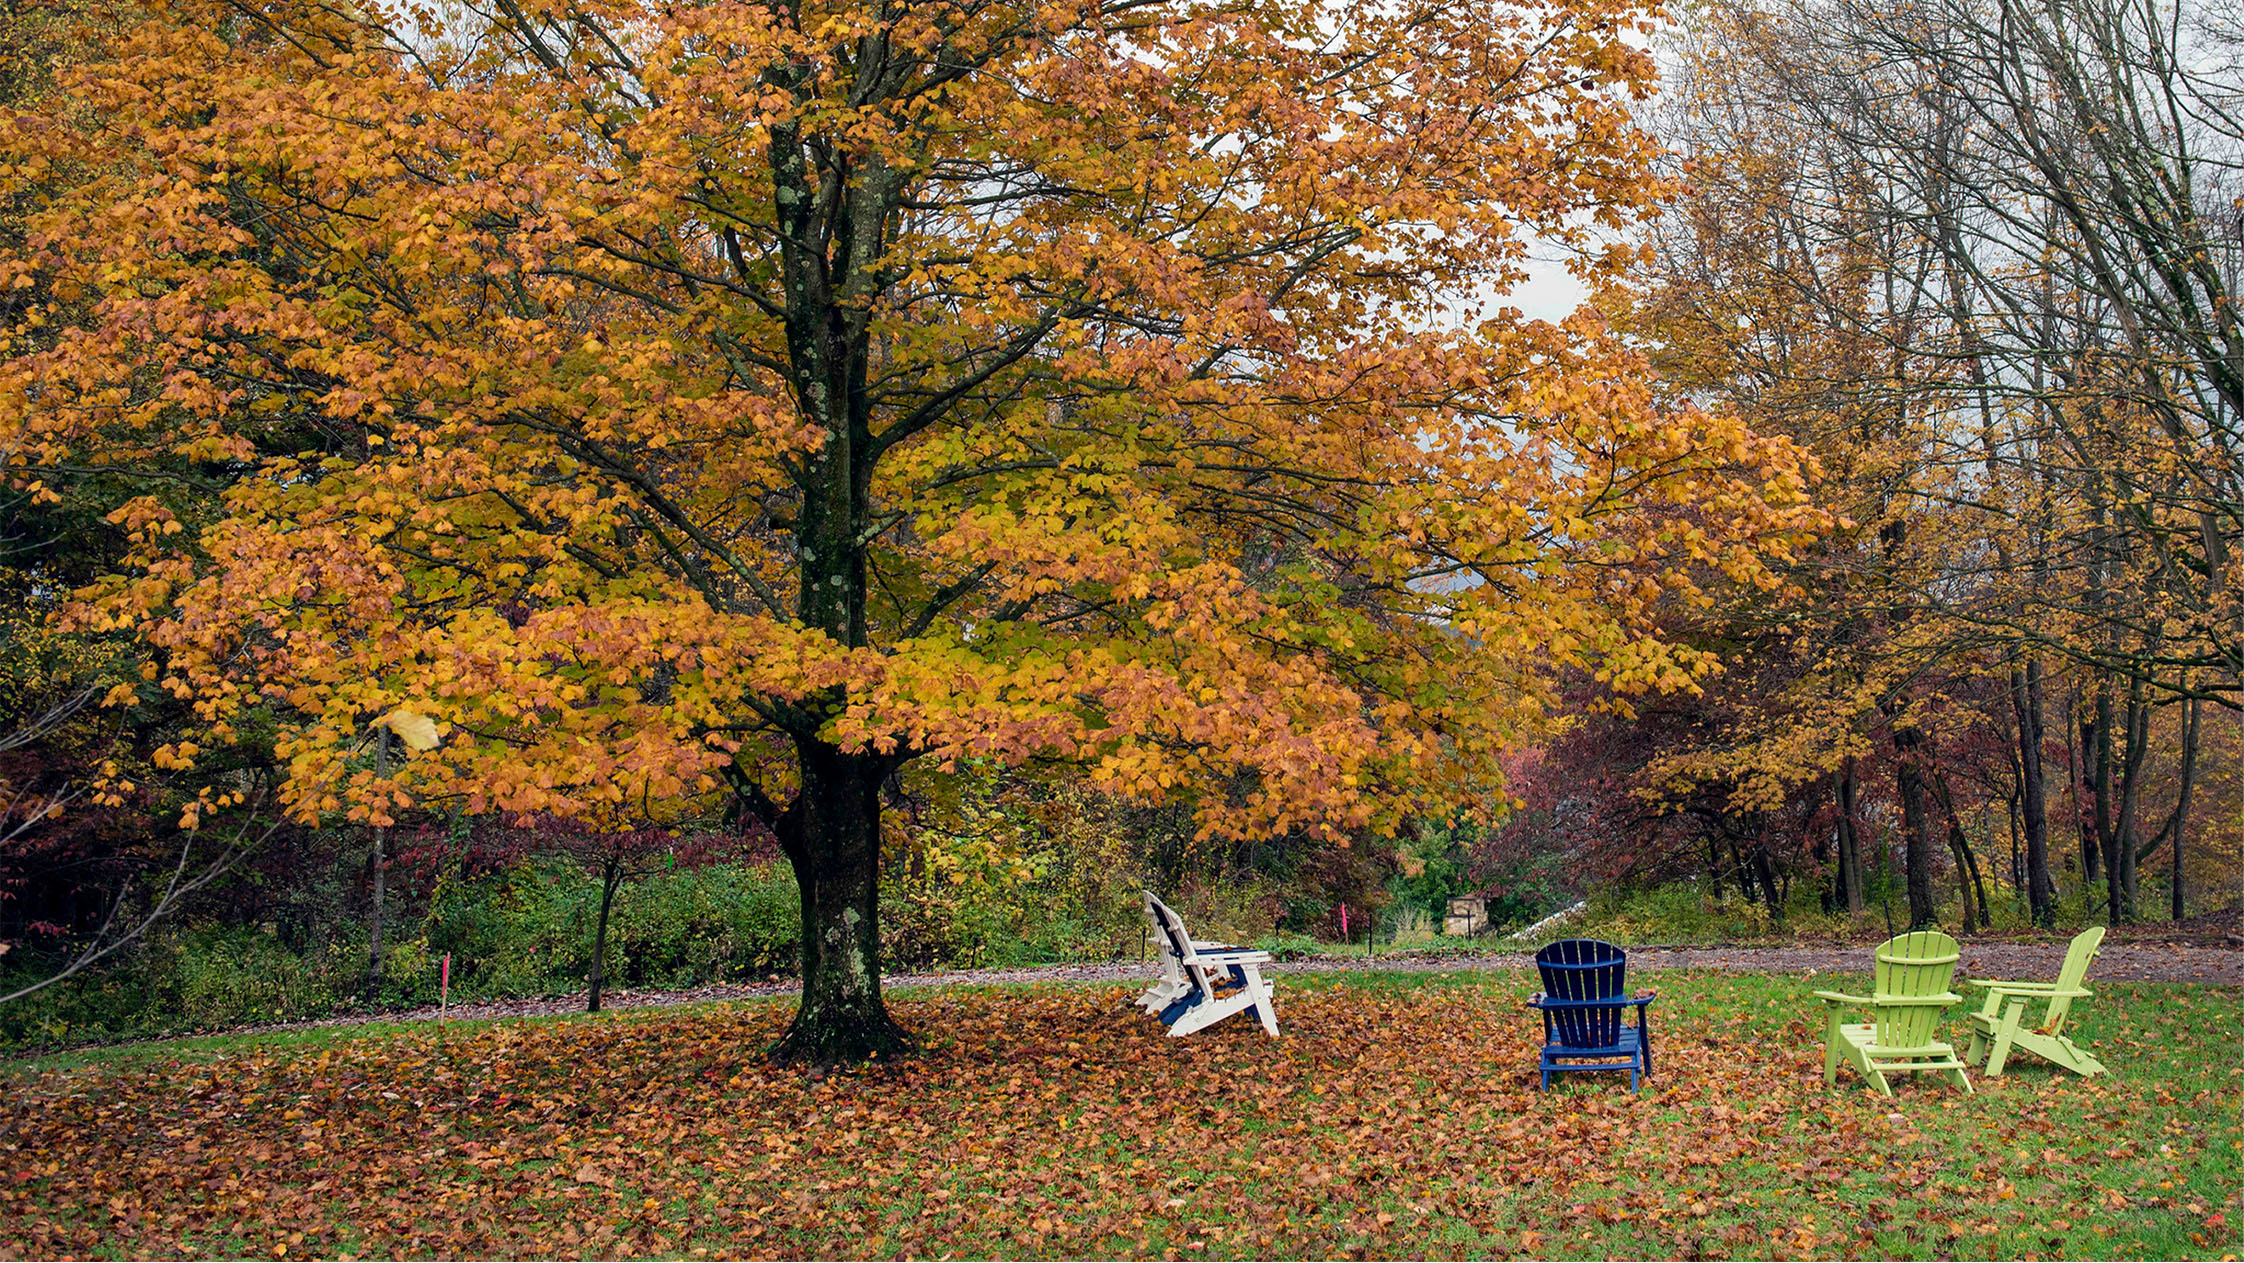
x,y
1177,939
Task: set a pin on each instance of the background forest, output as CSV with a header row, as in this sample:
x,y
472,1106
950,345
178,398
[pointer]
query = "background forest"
x,y
1978,258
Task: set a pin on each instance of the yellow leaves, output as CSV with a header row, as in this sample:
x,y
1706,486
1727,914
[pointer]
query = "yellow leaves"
x,y
418,731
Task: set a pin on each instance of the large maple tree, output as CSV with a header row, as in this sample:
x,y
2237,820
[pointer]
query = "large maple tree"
x,y
732,402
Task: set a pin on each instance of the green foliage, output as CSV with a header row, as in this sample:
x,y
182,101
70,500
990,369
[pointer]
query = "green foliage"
x,y
528,931
523,932
1433,871
188,979
1286,945
1695,911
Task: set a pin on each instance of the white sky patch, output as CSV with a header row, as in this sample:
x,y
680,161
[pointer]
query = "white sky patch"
x,y
1550,292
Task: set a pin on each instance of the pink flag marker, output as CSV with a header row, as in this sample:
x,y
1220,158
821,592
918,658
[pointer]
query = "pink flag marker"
x,y
1344,922
444,988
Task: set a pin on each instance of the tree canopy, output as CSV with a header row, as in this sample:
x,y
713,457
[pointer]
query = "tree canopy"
x,y
691,404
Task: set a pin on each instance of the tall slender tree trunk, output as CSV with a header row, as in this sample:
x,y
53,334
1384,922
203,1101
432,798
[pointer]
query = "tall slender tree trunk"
x,y
831,836
1970,884
2190,720
1916,827
2126,830
2091,834
1849,874
2176,827
2107,844
2033,793
381,875
1765,873
611,876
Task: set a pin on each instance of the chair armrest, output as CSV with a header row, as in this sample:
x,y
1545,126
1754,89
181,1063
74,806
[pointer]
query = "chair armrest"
x,y
1231,958
1610,1002
2049,989
1645,997
1888,1001
1210,945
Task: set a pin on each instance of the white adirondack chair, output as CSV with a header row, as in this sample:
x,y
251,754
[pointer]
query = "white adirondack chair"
x,y
1202,983
1172,983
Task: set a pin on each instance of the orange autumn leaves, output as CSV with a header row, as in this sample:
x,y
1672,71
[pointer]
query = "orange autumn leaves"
x,y
1171,446
1401,1121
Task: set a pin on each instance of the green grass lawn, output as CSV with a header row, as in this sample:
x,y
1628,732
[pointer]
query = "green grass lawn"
x,y
1398,1116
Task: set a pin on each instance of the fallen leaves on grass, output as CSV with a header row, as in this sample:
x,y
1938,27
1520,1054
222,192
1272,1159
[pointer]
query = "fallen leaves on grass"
x,y
1390,1121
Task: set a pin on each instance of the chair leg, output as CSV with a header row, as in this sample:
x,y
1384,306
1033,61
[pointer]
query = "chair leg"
x,y
1205,1014
2006,1035
2080,1060
1876,1077
1956,1076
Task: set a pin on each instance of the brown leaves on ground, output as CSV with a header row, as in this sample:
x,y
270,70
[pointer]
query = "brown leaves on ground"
x,y
1060,1123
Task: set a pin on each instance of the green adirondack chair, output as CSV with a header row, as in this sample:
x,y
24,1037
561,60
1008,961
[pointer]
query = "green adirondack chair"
x,y
1910,994
1999,1027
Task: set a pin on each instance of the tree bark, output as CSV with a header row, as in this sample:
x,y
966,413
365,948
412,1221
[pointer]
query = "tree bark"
x,y
1916,838
381,874
2033,797
611,875
2180,830
2177,824
2131,797
2091,836
831,836
1968,881
1849,875
1765,874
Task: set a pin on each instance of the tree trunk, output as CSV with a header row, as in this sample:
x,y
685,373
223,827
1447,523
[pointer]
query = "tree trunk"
x,y
1766,875
611,875
381,874
1916,825
2177,824
1969,876
1850,842
2121,842
1968,881
2180,828
2107,845
2091,836
831,835
2033,799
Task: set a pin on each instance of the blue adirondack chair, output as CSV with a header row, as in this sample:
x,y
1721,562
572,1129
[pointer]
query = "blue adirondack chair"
x,y
1582,1001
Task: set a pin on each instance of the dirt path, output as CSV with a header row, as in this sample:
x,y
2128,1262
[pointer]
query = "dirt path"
x,y
2118,962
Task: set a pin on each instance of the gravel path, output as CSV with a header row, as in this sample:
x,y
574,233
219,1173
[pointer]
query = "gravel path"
x,y
2117,962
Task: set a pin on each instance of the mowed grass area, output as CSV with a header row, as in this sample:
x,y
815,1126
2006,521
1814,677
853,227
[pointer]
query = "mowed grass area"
x,y
1397,1116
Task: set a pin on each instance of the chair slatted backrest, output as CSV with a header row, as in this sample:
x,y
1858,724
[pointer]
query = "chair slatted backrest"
x,y
2078,958
1154,922
1583,969
1921,963
1172,929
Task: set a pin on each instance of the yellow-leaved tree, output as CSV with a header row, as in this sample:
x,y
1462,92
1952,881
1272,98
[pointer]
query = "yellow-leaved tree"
x,y
734,399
